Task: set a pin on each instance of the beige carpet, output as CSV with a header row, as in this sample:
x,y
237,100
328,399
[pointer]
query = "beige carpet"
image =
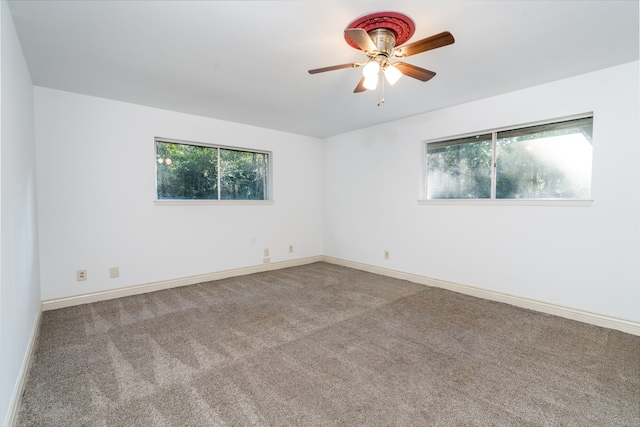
x,y
323,345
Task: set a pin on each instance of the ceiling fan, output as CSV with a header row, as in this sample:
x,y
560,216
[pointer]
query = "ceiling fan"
x,y
381,36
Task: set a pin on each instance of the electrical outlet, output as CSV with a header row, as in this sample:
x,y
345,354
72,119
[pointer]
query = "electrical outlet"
x,y
386,254
266,260
266,252
81,275
290,249
114,272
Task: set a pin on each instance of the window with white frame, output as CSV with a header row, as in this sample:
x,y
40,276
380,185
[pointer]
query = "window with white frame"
x,y
550,161
194,171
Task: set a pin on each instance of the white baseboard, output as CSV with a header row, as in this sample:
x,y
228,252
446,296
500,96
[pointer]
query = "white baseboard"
x,y
16,397
598,319
53,304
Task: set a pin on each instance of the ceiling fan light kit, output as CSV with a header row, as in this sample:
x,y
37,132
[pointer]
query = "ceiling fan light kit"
x,y
379,35
392,74
370,83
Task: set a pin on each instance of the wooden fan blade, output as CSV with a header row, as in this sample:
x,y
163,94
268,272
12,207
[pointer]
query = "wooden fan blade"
x,y
361,38
360,87
334,67
413,71
443,39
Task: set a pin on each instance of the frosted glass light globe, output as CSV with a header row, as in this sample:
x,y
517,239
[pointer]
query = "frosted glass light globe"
x,y
370,82
371,69
392,74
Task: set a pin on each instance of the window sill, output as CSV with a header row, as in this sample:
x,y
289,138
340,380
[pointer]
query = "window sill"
x,y
212,202
509,202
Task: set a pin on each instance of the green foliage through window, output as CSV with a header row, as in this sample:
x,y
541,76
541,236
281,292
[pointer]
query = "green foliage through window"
x,y
197,172
550,161
460,169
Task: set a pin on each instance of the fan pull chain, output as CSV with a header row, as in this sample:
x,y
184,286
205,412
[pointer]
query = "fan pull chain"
x,y
381,91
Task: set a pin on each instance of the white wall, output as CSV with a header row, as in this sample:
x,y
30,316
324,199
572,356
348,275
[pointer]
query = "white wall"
x,y
582,257
19,276
96,178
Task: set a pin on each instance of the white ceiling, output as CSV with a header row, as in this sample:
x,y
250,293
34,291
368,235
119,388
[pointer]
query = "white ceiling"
x,y
247,61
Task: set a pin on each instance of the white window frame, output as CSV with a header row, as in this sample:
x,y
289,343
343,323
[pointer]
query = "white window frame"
x,y
492,201
203,202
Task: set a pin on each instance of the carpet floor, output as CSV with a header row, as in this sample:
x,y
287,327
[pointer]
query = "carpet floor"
x,y
324,345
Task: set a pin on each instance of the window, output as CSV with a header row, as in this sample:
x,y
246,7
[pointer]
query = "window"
x,y
548,161
191,171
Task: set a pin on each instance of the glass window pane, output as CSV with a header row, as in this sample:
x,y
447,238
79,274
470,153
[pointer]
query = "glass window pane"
x,y
545,162
459,169
186,171
244,175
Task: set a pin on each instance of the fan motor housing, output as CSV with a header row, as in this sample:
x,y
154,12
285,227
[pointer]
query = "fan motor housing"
x,y
384,39
398,25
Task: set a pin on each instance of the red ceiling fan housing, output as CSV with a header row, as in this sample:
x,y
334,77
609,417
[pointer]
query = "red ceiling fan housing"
x,y
400,24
